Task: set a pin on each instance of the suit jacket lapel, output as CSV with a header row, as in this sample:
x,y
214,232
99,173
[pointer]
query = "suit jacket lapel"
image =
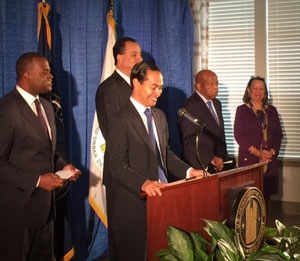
x,y
161,136
139,125
206,111
159,128
29,115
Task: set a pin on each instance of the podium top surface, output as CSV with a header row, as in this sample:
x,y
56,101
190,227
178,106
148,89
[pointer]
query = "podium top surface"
x,y
221,174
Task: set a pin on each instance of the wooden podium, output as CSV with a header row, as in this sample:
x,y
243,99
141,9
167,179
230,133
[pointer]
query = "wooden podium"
x,y
185,203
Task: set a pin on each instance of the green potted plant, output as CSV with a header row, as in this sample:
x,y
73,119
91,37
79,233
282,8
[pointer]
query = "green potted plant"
x,y
225,245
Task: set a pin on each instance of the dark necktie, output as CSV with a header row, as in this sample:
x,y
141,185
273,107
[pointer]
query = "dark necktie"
x,y
161,174
40,115
212,112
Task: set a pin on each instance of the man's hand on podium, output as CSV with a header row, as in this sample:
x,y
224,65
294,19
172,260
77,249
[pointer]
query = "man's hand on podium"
x,y
152,188
197,173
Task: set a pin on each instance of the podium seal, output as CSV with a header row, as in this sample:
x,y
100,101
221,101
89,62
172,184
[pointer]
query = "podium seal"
x,y
250,219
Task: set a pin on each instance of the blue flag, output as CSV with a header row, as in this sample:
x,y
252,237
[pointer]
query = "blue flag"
x,y
63,245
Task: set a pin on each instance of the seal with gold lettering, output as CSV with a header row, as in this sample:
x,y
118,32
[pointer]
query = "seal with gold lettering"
x,y
250,219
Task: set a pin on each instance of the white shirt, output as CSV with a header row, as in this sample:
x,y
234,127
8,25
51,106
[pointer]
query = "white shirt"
x,y
124,76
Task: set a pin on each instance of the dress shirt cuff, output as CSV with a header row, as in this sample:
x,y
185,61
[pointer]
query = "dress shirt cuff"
x,y
38,182
188,173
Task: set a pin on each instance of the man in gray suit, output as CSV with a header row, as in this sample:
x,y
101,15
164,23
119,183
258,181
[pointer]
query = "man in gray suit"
x,y
134,162
114,92
28,162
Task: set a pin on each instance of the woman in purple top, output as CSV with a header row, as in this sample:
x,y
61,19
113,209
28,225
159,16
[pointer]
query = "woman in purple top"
x,y
258,132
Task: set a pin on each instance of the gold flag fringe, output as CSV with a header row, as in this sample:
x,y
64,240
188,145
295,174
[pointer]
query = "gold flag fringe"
x,y
43,10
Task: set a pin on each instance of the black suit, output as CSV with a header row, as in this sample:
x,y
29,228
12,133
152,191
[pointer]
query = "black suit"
x,y
111,96
25,153
129,161
211,142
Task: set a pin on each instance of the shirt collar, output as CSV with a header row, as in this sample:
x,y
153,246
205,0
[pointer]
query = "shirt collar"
x,y
139,107
124,76
26,95
202,97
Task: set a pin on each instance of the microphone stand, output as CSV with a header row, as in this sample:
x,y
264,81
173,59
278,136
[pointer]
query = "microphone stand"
x,y
199,130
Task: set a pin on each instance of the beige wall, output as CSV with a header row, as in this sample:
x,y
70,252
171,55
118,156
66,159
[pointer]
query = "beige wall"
x,y
290,182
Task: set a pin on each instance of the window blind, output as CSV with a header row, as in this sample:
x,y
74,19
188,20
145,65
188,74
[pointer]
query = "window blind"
x,y
231,55
284,70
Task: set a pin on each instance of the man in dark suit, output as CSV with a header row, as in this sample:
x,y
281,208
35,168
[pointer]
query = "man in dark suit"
x,y
204,106
27,164
132,164
114,92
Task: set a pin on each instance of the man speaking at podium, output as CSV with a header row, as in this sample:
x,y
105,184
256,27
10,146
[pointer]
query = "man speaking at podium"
x,y
137,159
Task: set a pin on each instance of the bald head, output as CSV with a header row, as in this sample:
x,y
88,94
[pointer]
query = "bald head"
x,y
207,84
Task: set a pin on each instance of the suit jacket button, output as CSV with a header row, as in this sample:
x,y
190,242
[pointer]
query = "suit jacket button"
x,y
245,159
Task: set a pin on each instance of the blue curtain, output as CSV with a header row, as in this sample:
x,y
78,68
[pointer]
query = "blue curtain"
x,y
163,28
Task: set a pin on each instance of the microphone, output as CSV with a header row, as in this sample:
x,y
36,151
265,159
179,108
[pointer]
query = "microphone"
x,y
200,128
183,113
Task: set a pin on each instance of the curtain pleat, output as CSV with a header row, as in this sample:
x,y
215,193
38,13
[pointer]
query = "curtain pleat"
x,y
164,30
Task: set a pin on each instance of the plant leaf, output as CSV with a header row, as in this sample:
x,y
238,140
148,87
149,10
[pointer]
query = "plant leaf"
x,y
267,257
226,239
238,245
297,256
180,244
168,258
200,245
219,230
267,253
270,232
219,256
161,253
214,244
227,251
296,229
280,227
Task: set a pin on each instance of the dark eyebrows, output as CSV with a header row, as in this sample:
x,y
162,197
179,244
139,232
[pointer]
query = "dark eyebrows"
x,y
156,85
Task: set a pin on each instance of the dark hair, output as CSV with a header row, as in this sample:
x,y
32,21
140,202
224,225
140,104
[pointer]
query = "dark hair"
x,y
140,69
120,46
246,97
25,61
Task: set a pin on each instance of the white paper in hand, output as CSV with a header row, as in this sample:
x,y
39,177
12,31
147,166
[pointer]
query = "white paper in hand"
x,y
64,174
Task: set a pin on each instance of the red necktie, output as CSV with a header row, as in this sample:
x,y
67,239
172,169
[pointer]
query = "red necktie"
x,y
40,115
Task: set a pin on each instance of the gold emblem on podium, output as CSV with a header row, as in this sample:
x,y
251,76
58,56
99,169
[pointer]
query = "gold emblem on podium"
x,y
250,219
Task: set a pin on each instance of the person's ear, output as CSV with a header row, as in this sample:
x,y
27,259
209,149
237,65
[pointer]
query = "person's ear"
x,y
26,75
135,83
119,58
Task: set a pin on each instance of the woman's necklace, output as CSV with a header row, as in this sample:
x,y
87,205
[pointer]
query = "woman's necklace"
x,y
260,115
